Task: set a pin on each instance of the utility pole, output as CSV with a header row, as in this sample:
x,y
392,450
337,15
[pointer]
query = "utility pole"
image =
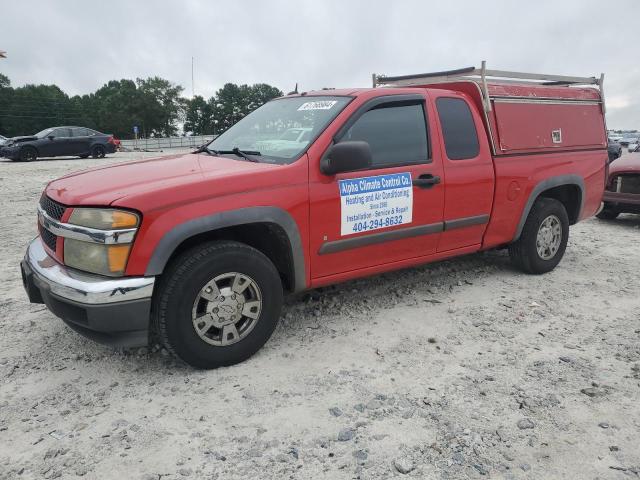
x,y
193,90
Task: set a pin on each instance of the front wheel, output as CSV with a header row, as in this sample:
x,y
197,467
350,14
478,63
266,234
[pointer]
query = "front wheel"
x,y
28,154
543,239
217,304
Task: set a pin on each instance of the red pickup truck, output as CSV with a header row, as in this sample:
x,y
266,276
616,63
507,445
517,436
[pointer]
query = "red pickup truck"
x,y
313,189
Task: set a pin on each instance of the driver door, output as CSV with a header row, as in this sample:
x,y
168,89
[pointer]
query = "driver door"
x,y
392,211
52,147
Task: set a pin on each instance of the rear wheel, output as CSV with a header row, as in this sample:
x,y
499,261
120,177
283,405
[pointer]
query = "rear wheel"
x,y
217,304
97,151
28,154
543,239
607,213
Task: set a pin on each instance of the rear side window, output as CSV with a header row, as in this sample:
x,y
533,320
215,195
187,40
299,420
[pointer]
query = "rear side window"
x,y
397,134
458,129
80,132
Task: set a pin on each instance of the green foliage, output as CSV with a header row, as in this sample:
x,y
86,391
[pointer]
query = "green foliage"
x,y
29,109
4,81
161,105
154,104
198,116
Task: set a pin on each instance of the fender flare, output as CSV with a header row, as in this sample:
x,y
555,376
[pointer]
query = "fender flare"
x,y
546,185
178,234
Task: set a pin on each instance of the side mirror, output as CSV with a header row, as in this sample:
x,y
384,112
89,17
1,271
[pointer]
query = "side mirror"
x,y
346,157
51,137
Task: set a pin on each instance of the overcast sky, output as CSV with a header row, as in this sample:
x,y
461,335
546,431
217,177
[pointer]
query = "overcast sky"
x,y
80,45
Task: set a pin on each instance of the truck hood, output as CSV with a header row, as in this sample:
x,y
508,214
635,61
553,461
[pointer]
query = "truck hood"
x,y
628,163
160,177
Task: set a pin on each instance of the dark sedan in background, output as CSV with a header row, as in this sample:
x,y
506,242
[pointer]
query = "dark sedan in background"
x,y
59,141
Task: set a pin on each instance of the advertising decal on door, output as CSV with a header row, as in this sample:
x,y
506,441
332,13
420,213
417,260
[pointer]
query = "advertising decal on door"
x,y
372,203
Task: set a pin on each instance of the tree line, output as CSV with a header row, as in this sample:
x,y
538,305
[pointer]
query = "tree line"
x,y
153,104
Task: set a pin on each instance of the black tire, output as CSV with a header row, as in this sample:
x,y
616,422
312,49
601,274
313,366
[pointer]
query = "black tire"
x,y
180,286
524,252
607,213
28,154
97,151
83,156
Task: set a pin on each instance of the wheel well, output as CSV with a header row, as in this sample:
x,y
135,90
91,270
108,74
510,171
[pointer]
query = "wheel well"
x,y
268,238
570,196
32,147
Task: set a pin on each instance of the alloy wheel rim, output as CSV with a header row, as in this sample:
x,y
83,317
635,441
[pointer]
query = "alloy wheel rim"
x,y
549,237
227,309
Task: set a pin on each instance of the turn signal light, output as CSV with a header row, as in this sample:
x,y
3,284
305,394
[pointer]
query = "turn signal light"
x,y
122,219
118,256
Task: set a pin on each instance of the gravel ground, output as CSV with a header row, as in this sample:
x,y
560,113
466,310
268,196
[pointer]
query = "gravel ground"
x,y
460,369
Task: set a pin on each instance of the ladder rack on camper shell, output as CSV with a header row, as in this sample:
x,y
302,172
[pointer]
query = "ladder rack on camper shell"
x,y
482,77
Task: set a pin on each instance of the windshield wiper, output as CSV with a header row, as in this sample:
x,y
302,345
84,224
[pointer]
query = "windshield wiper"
x,y
246,154
202,148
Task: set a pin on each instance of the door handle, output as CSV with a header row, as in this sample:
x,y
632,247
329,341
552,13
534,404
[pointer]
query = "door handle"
x,y
426,181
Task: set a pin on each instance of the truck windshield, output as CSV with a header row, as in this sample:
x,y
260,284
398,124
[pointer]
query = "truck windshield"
x,y
281,129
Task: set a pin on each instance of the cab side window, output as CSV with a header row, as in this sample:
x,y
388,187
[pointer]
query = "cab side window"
x,y
61,133
396,134
458,129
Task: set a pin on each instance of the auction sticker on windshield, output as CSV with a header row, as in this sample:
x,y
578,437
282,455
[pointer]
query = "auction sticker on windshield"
x,y
371,203
318,105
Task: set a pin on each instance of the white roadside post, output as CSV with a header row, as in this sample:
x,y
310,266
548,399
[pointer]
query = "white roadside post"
x,y
135,133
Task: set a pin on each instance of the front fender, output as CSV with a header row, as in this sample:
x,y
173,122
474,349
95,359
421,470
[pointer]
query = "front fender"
x,y
178,234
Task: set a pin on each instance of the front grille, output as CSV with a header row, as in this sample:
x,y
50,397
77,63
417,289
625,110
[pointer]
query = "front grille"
x,y
628,184
54,209
48,238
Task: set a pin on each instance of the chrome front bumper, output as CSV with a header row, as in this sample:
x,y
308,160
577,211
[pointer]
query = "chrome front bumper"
x,y
83,287
111,311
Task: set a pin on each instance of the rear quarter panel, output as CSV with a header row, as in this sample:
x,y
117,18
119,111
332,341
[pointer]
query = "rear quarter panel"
x,y
518,175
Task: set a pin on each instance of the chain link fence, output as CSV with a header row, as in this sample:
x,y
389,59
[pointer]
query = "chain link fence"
x,y
163,143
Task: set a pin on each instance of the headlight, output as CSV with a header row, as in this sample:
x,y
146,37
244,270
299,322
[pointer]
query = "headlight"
x,y
101,258
103,219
